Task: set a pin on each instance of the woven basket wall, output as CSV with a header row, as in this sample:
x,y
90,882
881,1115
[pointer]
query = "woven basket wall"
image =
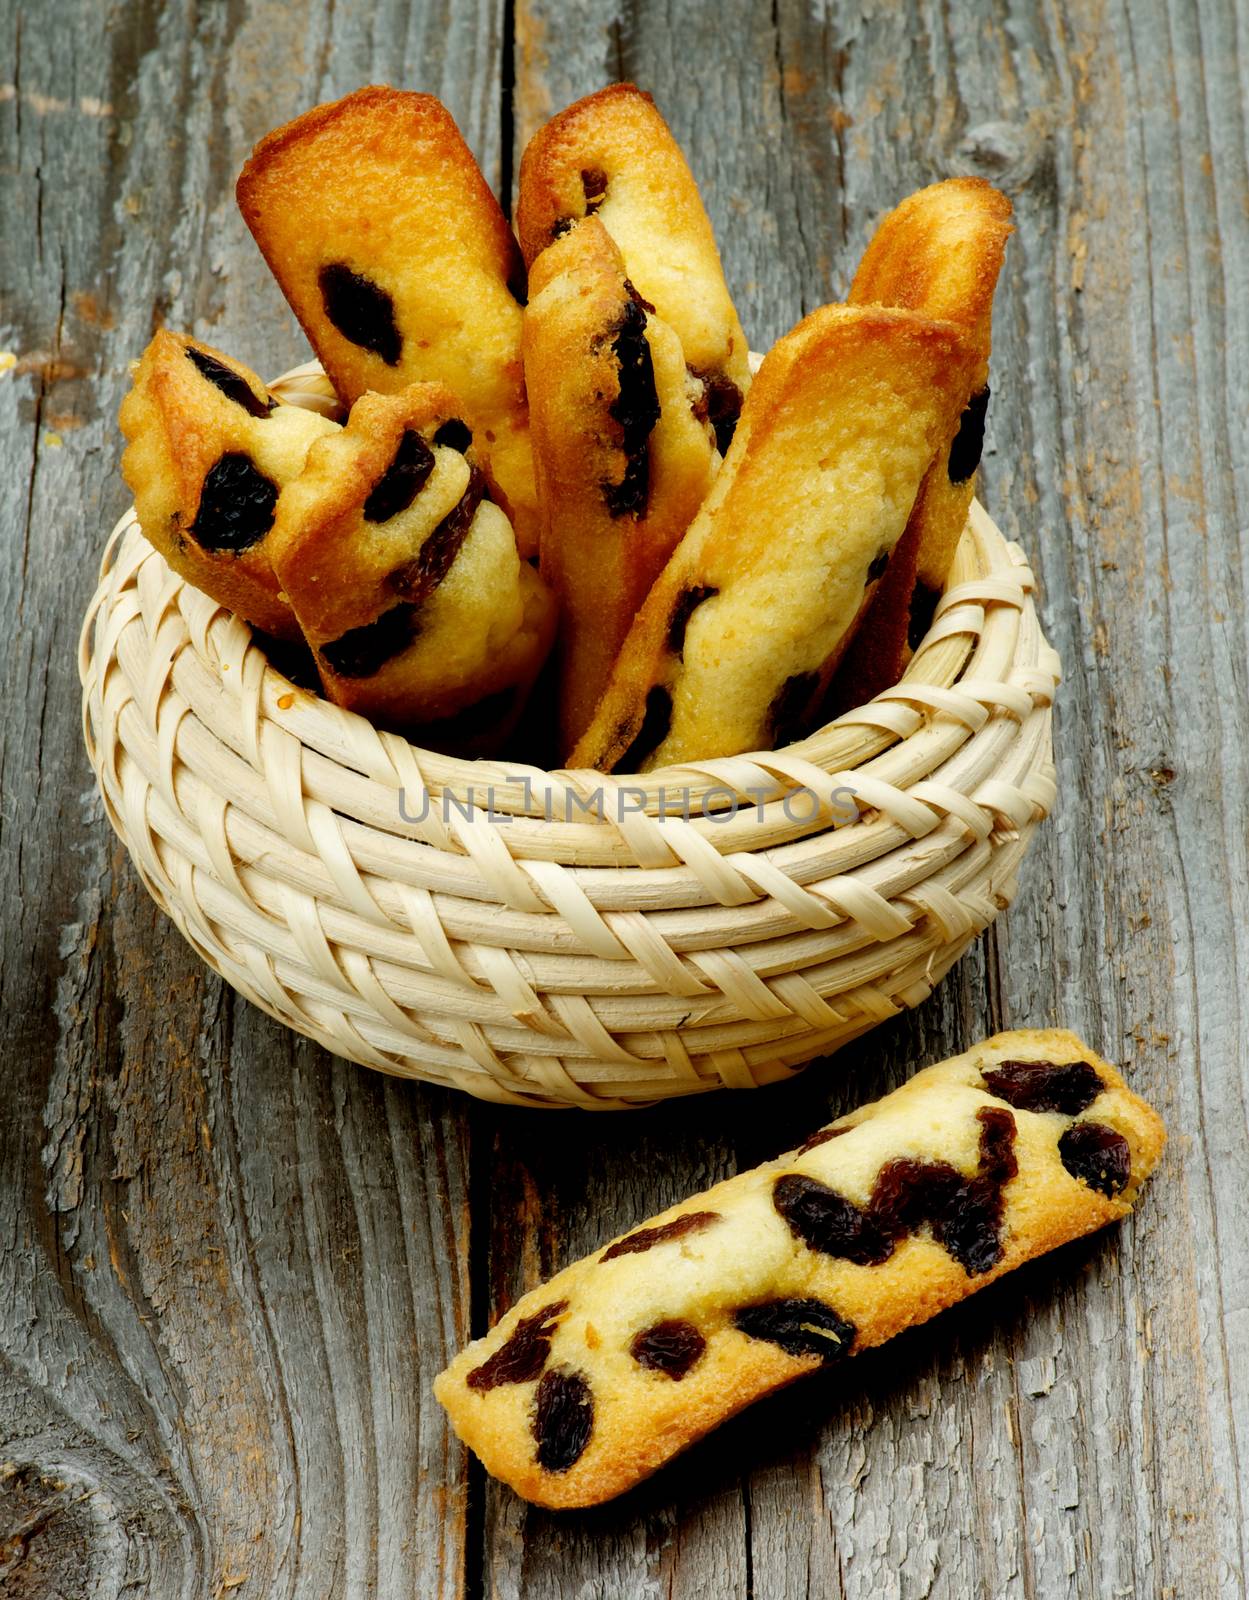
x,y
541,938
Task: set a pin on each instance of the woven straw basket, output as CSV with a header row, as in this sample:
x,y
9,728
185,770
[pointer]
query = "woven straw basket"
x,y
562,938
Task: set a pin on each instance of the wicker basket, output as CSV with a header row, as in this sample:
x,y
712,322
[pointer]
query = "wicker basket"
x,y
563,938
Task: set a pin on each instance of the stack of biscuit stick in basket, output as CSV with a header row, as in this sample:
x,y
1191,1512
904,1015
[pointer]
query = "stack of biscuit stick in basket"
x,y
553,440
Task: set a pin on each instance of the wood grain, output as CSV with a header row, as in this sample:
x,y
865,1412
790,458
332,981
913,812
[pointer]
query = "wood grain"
x,y
229,1266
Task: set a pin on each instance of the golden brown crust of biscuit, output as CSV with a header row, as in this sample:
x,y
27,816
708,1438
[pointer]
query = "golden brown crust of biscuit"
x,y
623,462
939,253
382,186
612,155
748,1243
745,624
404,577
179,425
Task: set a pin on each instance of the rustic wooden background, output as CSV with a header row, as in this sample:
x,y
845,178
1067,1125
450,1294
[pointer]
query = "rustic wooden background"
x,y
229,1265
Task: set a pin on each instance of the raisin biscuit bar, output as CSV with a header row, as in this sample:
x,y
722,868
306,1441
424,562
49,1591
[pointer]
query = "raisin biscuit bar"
x,y
738,639
209,451
876,1223
939,253
396,258
613,156
404,576
623,451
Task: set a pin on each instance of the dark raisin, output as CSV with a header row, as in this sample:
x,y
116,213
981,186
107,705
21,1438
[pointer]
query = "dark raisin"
x,y
563,1419
969,440
790,711
821,1136
908,1193
970,1223
402,480
235,505
970,1228
687,602
417,579
594,187
524,1355
455,434
361,311
669,1347
1043,1086
654,729
1097,1155
799,1327
826,1221
360,652
647,1238
561,226
923,606
232,384
721,405
998,1161
877,568
965,1214
636,409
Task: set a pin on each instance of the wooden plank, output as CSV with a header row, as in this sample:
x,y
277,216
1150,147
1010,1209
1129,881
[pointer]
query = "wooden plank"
x,y
1051,1439
227,1263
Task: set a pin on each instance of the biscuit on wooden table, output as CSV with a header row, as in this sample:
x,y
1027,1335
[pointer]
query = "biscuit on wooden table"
x,y
878,1222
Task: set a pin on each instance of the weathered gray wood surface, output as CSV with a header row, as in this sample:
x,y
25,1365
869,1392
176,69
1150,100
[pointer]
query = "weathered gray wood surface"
x,y
229,1266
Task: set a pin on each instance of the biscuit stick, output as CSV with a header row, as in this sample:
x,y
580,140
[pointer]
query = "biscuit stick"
x,y
613,156
938,253
405,578
740,634
876,1223
399,263
209,451
623,459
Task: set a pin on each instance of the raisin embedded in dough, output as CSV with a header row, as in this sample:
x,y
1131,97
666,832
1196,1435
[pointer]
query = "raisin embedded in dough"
x,y
402,480
231,383
801,1327
647,1238
236,504
670,1347
563,1419
1069,1088
363,651
687,602
523,1357
968,444
1098,1156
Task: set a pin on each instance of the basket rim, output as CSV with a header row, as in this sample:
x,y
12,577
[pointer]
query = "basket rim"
x,y
980,577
